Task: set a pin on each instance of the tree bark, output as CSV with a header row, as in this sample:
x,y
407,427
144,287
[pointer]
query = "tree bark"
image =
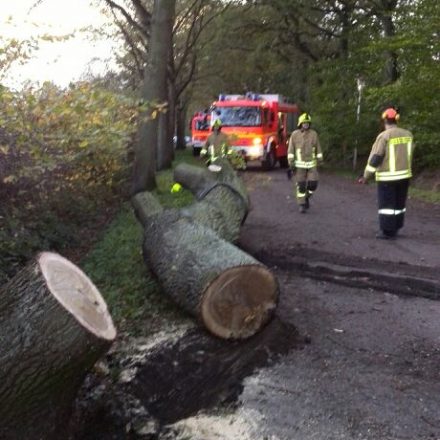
x,y
154,92
189,250
223,203
54,325
165,140
180,127
384,10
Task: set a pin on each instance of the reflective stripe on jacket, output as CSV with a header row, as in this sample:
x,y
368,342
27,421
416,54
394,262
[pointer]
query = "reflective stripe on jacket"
x,y
217,144
395,146
304,149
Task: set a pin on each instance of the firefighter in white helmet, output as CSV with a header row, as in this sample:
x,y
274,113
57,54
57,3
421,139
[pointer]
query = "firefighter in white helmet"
x,y
390,161
217,143
303,154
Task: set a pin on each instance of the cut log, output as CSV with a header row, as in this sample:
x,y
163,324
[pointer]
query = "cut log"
x,y
223,202
190,252
200,180
228,290
54,325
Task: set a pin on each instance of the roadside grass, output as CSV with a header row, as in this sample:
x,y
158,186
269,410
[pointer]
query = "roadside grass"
x,y
424,194
116,266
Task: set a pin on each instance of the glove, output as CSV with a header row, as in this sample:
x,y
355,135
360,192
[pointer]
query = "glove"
x,y
362,180
177,187
290,173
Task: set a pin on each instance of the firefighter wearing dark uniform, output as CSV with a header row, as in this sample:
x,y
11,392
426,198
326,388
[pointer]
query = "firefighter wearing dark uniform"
x,y
217,143
390,160
304,153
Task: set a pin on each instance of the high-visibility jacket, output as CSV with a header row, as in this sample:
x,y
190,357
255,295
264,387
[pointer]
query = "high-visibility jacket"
x,y
217,144
304,149
391,155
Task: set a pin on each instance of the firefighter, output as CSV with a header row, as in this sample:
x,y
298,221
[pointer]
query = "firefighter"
x,y
217,143
390,161
303,154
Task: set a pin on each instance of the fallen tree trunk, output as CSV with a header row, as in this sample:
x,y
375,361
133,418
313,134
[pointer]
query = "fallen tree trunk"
x,y
199,180
223,203
229,291
54,325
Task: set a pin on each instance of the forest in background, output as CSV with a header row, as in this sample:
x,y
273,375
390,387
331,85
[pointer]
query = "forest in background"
x,y
66,154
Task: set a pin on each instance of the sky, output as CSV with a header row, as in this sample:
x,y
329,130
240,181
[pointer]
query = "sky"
x,y
60,62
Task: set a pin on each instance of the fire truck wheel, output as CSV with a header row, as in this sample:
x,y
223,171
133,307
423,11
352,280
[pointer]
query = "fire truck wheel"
x,y
270,161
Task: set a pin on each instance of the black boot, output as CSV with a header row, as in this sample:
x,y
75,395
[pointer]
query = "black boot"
x,y
385,235
307,204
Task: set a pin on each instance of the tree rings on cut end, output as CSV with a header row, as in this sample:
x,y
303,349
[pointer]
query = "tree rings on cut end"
x,y
238,302
77,294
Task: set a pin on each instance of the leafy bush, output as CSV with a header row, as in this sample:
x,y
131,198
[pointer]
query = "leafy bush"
x,y
63,160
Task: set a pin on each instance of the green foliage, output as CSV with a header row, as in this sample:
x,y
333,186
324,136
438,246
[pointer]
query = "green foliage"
x,y
63,163
165,181
14,51
425,195
314,52
237,160
82,132
240,53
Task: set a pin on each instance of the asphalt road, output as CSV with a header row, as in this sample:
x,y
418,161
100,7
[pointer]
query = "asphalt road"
x,y
372,368
342,220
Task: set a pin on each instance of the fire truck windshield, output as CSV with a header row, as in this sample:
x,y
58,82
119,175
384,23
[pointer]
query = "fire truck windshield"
x,y
239,116
201,124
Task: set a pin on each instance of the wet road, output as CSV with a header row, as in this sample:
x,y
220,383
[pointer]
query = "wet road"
x,y
371,369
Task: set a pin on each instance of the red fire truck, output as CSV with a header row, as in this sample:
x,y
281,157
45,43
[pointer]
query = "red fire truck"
x,y
258,125
200,130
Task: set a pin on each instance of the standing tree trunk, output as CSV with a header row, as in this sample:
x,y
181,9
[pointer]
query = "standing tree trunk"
x,y
171,120
384,10
165,144
155,91
54,325
181,126
166,147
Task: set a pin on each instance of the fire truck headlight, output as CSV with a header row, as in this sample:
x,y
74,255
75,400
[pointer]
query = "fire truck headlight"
x,y
258,141
255,150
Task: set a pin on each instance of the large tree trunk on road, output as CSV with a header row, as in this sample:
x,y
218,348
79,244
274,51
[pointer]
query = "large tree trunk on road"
x,y
189,250
223,203
54,325
200,180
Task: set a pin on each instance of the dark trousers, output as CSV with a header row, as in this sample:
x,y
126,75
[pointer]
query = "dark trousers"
x,y
391,198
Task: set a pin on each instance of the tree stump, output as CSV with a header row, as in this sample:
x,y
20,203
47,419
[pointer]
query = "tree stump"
x,y
54,325
190,252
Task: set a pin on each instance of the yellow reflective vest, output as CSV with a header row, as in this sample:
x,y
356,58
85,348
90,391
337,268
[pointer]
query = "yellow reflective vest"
x,y
217,144
394,147
304,149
